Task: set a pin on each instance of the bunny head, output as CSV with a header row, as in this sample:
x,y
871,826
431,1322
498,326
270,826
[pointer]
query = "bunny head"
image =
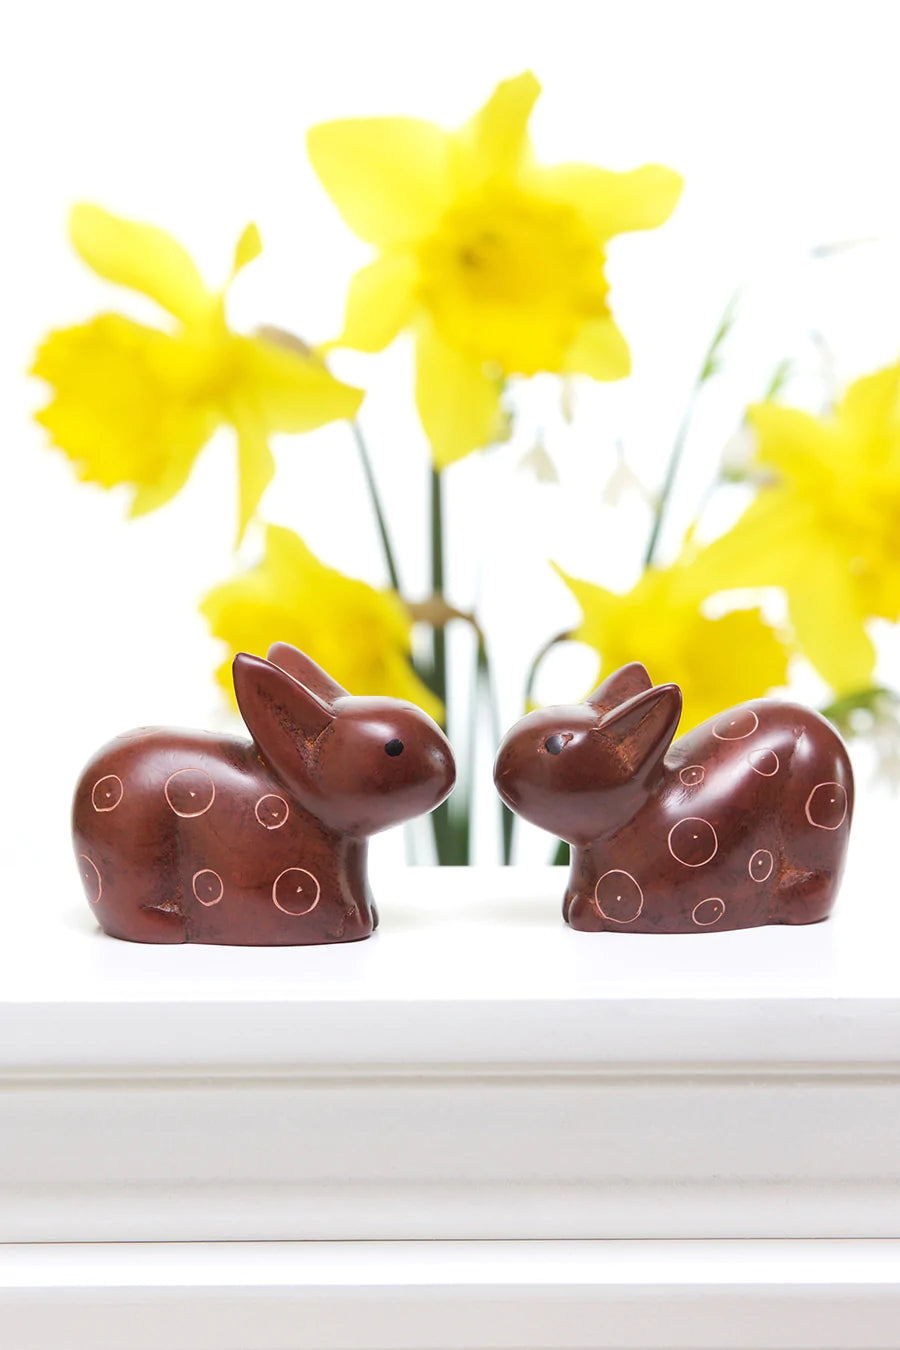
x,y
582,770
358,765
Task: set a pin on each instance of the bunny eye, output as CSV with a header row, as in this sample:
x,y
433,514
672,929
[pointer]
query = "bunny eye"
x,y
394,748
553,744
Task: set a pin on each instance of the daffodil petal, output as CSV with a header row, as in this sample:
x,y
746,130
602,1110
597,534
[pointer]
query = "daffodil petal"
x,y
716,662
597,605
458,403
115,412
248,248
599,350
495,141
824,610
256,466
141,257
150,496
388,176
872,403
794,443
766,546
615,202
731,658
779,542
291,596
381,302
290,391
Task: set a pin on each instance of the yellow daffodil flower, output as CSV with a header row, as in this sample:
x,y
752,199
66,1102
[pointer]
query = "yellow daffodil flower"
x,y
135,405
826,528
496,262
717,662
359,635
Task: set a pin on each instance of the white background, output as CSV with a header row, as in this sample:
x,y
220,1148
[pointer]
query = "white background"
x,y
781,117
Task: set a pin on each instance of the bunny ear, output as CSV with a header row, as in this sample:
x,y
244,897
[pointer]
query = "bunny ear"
x,y
642,728
620,686
304,669
282,716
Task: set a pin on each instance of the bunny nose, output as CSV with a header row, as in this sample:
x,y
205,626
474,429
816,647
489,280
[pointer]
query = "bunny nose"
x,y
504,787
446,771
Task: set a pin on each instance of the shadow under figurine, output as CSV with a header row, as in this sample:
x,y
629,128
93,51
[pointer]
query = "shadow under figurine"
x,y
187,836
744,821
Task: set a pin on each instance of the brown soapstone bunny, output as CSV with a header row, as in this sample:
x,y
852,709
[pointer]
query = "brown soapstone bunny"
x,y
744,821
186,836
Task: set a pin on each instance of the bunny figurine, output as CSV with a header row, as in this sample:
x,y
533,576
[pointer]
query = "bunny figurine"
x,y
744,821
186,836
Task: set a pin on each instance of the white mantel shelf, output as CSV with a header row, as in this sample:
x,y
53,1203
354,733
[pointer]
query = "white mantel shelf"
x,y
476,1070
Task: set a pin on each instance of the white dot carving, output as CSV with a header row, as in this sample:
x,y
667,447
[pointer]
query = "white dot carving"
x,y
828,802
618,887
190,792
705,918
692,774
292,883
691,837
107,793
207,886
764,762
736,726
90,875
271,811
760,865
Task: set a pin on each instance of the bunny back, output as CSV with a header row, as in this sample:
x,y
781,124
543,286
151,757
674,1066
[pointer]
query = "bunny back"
x,y
748,825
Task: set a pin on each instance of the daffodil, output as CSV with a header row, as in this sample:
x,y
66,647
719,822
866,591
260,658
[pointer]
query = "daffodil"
x,y
360,635
135,405
496,262
825,528
717,662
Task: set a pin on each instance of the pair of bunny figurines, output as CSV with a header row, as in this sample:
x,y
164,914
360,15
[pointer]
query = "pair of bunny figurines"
x,y
194,837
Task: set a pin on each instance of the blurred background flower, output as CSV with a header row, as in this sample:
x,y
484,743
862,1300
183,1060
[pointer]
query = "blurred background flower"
x,y
660,621
360,635
497,262
725,511
135,405
824,525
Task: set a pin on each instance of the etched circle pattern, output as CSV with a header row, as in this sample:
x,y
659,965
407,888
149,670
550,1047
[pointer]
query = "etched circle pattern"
x,y
693,841
208,886
296,891
190,792
692,774
736,725
761,864
618,897
764,762
708,912
826,806
271,811
107,793
90,876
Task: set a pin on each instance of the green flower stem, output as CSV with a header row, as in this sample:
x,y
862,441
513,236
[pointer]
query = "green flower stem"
x,y
451,827
378,508
562,854
709,368
674,464
439,638
542,654
508,818
485,676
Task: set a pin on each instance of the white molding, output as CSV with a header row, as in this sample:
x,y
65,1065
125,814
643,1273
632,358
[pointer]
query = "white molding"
x,y
427,1296
458,1153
